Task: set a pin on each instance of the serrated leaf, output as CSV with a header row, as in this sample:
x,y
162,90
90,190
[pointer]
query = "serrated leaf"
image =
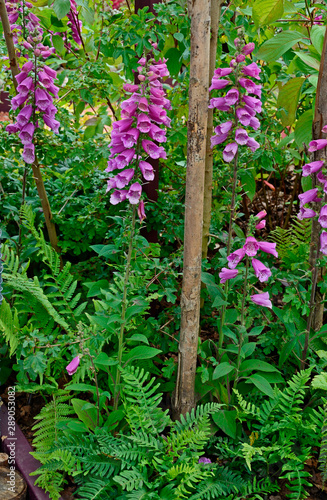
x,y
61,8
303,129
288,99
273,49
267,11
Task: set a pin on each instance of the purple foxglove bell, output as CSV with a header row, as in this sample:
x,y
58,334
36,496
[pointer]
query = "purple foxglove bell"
x,y
24,115
260,215
129,110
26,134
42,99
147,170
252,70
248,48
310,168
261,225
323,242
111,184
223,71
314,145
143,104
217,84
219,103
227,274
306,213
230,152
134,193
28,153
12,128
123,125
21,77
235,257
261,271
50,72
157,134
141,211
252,144
252,102
323,217
321,177
28,66
124,178
218,139
267,247
125,158
51,123
153,150
130,137
157,114
241,136
262,299
308,196
243,116
204,460
232,97
18,100
26,86
250,86
224,128
251,246
45,78
254,123
118,196
73,365
143,123
129,87
240,58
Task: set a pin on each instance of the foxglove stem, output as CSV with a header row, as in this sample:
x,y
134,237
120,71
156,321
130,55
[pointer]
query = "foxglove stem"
x,y
124,307
97,389
245,289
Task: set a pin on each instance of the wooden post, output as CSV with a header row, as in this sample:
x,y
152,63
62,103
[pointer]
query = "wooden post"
x,y
199,11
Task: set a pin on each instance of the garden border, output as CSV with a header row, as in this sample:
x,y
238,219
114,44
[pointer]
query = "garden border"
x,y
25,463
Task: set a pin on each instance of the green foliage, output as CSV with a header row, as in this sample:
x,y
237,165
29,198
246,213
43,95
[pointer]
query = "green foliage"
x,y
292,244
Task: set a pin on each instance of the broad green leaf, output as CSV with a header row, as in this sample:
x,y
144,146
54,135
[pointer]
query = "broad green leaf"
x,y
261,383
82,387
317,34
58,43
88,417
226,421
95,288
303,129
288,99
61,8
102,361
174,62
248,182
142,352
77,426
308,60
138,337
222,369
267,11
248,349
273,49
257,364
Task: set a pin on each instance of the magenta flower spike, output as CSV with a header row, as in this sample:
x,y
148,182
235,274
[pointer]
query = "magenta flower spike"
x,y
267,247
252,70
73,365
227,274
251,246
306,213
323,217
261,271
230,152
308,196
316,145
235,257
323,242
262,299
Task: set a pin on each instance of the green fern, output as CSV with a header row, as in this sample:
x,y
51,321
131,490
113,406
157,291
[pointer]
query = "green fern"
x,y
293,242
323,446
9,325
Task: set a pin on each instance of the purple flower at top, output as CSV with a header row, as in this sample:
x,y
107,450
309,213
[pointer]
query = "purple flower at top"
x,y
218,83
248,48
241,136
134,193
28,153
235,257
223,71
310,168
316,145
147,170
262,299
230,152
73,365
323,242
251,246
323,217
261,271
306,213
227,274
308,196
252,70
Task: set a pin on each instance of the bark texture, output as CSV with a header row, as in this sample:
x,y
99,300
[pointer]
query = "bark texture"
x,y
51,228
199,11
207,202
320,119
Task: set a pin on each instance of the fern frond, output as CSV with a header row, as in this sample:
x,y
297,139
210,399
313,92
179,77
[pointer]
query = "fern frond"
x,y
94,488
224,482
323,447
130,479
10,259
291,399
188,476
9,325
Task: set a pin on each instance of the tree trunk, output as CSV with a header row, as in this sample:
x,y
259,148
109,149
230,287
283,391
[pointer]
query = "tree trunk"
x,y
320,119
199,11
207,202
35,167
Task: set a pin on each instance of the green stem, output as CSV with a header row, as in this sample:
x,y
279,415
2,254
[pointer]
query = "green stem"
x,y
123,308
245,289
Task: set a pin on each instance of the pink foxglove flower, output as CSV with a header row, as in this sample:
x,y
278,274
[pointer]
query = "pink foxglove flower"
x,y
227,274
317,145
251,246
267,247
218,139
141,211
241,136
147,170
134,193
306,213
218,84
261,215
223,71
153,150
261,271
235,257
262,299
323,217
230,152
261,225
204,460
224,128
248,48
310,168
252,70
219,103
323,242
117,196
252,144
28,153
309,196
73,365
